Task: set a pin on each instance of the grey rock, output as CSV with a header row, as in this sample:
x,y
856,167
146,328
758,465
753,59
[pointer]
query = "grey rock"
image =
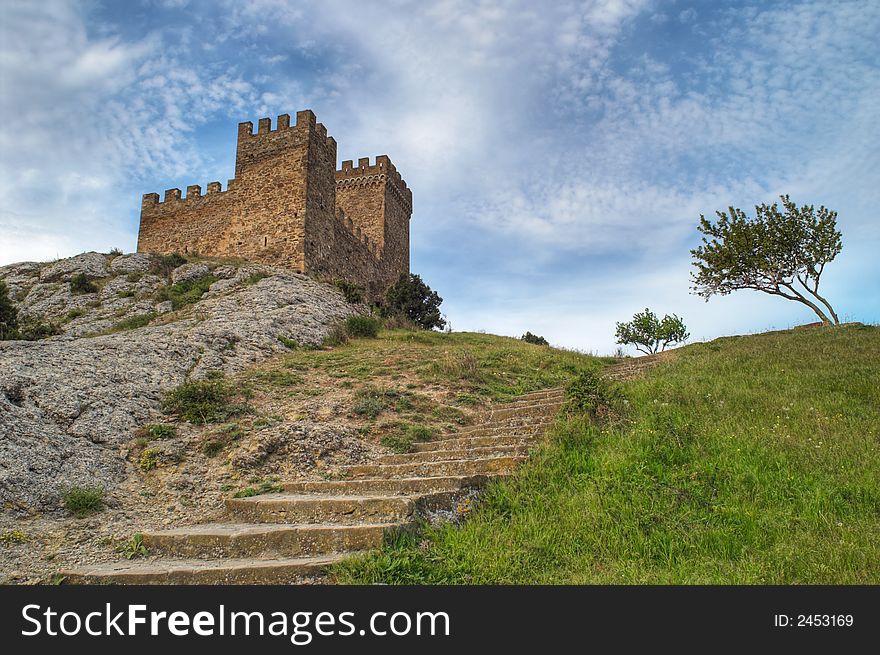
x,y
91,264
189,272
136,262
69,404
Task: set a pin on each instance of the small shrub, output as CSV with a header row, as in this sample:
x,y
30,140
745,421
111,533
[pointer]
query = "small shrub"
x,y
80,284
82,502
115,252
186,293
338,336
10,537
362,326
353,293
212,447
528,337
134,547
149,459
262,488
160,431
589,394
253,278
134,277
125,293
287,342
34,331
132,323
369,402
8,315
403,441
400,322
164,265
204,401
73,314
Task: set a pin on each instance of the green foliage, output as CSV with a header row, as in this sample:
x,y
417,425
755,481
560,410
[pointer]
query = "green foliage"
x,y
74,314
588,393
338,336
748,460
131,323
134,548
403,439
262,488
114,252
780,253
212,447
253,278
10,537
649,334
363,326
8,315
204,401
370,401
36,330
149,459
353,293
528,337
82,501
411,298
164,265
159,431
186,293
288,342
80,284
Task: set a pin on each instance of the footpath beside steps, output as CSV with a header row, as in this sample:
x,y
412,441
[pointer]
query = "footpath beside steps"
x,y
294,535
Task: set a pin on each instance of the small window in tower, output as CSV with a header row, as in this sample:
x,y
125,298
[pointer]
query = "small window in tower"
x,y
265,241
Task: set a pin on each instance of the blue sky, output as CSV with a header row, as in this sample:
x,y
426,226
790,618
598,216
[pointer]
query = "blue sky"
x,y
560,154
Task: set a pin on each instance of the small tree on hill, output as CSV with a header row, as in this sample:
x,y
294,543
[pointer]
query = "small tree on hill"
x,y
8,315
412,298
649,334
780,253
528,337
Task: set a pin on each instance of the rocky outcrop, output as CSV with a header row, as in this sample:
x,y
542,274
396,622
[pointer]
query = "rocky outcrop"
x,y
70,402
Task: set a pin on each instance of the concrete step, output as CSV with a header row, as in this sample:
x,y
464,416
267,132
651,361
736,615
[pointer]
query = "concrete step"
x,y
486,465
305,508
554,393
470,443
401,486
528,402
241,540
543,409
197,571
439,455
527,426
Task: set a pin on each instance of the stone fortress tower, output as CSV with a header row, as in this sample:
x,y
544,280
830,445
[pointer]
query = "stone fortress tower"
x,y
288,206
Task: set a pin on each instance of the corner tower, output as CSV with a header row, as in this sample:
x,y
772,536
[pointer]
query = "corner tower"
x,y
378,202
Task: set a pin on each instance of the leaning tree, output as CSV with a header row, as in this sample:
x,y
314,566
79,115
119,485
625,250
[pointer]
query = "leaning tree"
x,y
782,253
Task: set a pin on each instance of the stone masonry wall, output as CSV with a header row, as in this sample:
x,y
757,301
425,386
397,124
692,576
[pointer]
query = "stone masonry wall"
x,y
288,206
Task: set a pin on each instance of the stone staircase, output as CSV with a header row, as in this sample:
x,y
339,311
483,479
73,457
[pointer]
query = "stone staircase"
x,y
293,536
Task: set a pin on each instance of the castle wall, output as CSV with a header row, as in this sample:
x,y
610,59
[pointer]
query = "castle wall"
x,y
288,206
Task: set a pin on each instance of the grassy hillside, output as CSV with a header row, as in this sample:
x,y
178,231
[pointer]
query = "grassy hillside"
x,y
745,460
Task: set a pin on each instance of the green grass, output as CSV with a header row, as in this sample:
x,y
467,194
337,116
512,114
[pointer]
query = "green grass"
x,y
476,365
745,460
259,490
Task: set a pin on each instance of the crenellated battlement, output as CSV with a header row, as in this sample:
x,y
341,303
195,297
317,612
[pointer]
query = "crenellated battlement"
x,y
193,194
383,171
288,205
